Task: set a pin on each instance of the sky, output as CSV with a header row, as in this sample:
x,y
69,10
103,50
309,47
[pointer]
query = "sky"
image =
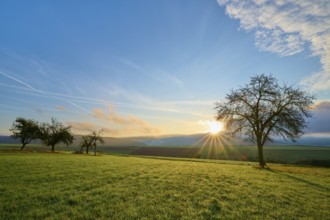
x,y
141,68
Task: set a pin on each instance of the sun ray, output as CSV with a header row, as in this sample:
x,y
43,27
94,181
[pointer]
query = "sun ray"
x,y
220,145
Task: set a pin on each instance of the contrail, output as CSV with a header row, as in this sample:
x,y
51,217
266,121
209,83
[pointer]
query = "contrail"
x,y
50,95
78,106
69,99
19,81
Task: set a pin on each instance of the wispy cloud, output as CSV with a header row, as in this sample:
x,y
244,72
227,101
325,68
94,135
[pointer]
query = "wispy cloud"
x,y
160,75
44,83
287,27
87,127
28,89
136,100
143,102
131,122
10,108
82,127
193,102
60,107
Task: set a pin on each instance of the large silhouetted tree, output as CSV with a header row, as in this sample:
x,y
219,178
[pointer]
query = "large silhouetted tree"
x,y
263,109
55,133
25,129
90,141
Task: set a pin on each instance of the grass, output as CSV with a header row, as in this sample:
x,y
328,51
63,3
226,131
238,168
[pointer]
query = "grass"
x,y
279,154
69,186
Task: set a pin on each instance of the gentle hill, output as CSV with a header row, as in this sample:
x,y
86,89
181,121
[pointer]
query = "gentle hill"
x,y
200,139
111,141
170,140
6,139
108,141
69,186
183,140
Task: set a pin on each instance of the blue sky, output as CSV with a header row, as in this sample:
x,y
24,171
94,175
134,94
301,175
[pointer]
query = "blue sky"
x,y
154,67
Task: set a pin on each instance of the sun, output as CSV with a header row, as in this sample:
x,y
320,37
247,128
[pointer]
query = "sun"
x,y
214,127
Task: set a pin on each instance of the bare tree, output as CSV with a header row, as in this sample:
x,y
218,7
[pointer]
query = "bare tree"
x,y
90,141
25,129
85,143
263,109
55,133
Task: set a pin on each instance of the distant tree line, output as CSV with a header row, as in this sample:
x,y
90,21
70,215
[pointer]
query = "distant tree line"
x,y
51,134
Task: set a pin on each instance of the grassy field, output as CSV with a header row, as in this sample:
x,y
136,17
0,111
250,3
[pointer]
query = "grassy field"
x,y
279,154
64,185
282,154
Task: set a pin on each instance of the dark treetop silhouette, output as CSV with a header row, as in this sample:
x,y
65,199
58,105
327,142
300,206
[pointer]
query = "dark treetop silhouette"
x,y
263,108
25,129
54,133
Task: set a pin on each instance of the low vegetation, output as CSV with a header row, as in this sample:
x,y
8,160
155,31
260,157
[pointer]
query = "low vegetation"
x,y
75,186
306,155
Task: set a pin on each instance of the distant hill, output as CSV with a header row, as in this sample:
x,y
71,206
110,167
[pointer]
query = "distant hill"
x,y
205,138
108,141
112,142
170,140
314,141
9,140
185,140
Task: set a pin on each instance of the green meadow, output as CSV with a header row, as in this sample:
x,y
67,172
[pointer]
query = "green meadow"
x,y
313,155
36,185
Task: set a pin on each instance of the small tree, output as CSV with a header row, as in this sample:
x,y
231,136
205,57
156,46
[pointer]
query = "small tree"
x,y
86,142
97,138
91,140
263,109
25,129
54,133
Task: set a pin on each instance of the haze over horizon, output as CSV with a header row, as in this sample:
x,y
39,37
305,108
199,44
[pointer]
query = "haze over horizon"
x,y
144,68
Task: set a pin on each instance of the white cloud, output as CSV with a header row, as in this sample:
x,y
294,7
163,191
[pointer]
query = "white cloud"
x,y
287,27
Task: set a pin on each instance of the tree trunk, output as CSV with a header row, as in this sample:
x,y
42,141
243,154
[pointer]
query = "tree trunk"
x,y
87,149
53,148
261,156
23,146
94,150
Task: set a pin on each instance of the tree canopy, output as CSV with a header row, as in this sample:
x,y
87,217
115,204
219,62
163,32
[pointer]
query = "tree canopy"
x,y
263,109
25,129
55,133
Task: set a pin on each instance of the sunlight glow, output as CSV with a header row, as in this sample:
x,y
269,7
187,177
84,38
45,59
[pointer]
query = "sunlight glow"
x,y
215,127
212,127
